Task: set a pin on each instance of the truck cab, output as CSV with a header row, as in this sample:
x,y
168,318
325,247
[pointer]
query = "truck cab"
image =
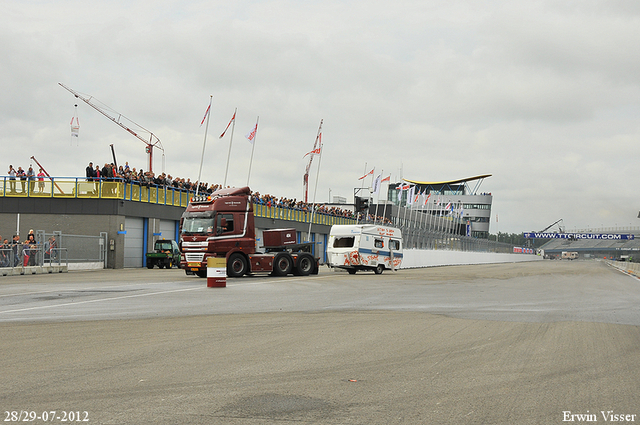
x,y
221,225
217,225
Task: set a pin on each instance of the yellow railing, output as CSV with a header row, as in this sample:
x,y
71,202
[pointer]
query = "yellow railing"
x,y
298,215
58,187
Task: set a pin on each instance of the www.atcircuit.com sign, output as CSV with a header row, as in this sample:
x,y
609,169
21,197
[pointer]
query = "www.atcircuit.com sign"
x,y
576,236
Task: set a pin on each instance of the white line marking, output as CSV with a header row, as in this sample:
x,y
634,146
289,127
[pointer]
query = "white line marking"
x,y
98,300
145,294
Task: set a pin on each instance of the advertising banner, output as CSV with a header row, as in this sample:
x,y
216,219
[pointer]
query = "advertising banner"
x,y
578,236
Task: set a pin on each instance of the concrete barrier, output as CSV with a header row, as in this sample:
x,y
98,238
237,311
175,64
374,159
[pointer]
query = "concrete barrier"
x,y
632,269
15,271
415,258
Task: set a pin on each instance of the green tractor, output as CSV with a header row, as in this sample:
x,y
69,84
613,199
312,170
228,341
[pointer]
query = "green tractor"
x,y
166,253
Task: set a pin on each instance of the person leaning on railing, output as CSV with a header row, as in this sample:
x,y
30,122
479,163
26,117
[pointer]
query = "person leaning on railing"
x,y
5,253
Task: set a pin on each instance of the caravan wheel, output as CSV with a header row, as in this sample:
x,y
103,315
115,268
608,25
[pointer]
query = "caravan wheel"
x,y
379,269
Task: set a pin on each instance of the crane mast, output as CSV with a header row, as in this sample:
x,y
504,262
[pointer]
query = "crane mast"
x,y
118,118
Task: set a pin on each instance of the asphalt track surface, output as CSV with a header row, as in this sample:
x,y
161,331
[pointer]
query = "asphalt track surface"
x,y
522,343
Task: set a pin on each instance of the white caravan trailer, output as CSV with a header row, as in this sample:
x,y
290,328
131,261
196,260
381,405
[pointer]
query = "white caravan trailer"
x,y
364,247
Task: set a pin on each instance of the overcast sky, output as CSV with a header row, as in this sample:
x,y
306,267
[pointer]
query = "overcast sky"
x,y
542,95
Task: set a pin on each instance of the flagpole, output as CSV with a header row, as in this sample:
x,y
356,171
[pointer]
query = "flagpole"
x,y
315,190
233,126
361,187
204,144
369,197
384,210
375,219
253,142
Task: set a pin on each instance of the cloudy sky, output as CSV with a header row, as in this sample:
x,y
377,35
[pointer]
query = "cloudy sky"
x,y
542,95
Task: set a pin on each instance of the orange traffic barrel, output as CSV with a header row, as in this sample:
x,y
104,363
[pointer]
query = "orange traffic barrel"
x,y
216,272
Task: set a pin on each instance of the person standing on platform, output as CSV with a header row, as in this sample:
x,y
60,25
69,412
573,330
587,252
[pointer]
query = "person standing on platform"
x,y
32,180
12,178
23,177
41,175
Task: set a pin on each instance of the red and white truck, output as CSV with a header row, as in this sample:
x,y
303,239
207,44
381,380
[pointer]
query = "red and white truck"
x,y
222,225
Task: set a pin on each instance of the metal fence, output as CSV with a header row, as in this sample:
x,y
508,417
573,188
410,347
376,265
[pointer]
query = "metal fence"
x,y
22,255
72,251
419,231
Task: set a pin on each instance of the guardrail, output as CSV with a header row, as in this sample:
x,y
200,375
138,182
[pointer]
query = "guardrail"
x,y
292,214
75,187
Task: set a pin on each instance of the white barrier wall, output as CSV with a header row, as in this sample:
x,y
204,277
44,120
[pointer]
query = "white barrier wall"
x,y
414,258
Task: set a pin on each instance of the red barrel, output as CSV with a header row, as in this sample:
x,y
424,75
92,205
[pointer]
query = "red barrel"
x,y
216,272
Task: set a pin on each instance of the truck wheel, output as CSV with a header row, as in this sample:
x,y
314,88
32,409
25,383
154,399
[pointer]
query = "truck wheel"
x,y
170,264
282,265
305,265
351,271
149,265
237,265
379,269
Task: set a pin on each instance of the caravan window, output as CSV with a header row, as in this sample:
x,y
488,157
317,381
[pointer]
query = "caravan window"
x,y
343,242
378,243
394,244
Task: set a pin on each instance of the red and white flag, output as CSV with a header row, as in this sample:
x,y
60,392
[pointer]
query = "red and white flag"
x,y
206,113
252,134
233,118
427,199
404,187
313,152
370,173
75,129
386,179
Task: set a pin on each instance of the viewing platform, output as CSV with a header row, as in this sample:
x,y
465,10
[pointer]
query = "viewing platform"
x,y
81,188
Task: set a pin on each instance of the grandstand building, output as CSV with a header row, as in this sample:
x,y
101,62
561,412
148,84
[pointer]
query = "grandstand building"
x,y
610,243
463,195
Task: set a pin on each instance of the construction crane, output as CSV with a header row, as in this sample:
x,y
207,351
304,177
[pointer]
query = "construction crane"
x,y
560,228
315,151
152,142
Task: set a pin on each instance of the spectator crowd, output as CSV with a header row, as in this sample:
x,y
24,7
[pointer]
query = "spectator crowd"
x,y
127,174
28,252
131,175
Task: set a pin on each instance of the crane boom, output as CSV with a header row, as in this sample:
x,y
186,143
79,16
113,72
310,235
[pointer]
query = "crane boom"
x,y
153,141
551,225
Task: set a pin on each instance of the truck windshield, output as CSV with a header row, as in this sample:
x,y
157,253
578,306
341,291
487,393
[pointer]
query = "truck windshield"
x,y
197,225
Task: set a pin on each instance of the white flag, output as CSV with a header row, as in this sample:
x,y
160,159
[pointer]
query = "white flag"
x,y
376,184
410,195
252,134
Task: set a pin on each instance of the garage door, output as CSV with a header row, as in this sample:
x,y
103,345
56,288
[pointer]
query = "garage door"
x,y
167,229
133,241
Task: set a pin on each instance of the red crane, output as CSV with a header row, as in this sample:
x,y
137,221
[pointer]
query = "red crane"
x,y
120,119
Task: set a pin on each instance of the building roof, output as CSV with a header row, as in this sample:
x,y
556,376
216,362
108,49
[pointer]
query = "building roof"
x,y
468,179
